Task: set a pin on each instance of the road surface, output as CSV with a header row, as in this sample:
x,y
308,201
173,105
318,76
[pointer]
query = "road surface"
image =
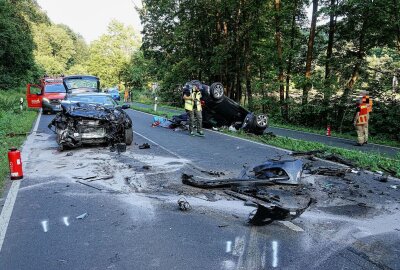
x,y
311,137
90,208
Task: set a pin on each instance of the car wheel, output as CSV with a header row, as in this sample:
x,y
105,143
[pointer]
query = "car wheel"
x,y
217,91
128,136
261,121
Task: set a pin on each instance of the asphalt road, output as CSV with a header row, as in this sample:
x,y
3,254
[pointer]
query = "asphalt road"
x,y
133,221
306,136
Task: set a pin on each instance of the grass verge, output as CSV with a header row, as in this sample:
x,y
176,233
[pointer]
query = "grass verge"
x,y
369,161
371,139
15,125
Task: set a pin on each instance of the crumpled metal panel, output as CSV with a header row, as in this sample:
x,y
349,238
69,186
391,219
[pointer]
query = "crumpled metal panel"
x,y
282,171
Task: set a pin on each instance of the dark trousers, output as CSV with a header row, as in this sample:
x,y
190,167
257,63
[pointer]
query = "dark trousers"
x,y
195,120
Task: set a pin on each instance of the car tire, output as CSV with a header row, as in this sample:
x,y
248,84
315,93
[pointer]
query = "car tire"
x,y
128,136
261,121
217,91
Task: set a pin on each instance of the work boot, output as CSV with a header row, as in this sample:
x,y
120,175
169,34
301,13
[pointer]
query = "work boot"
x,y
192,133
200,133
359,144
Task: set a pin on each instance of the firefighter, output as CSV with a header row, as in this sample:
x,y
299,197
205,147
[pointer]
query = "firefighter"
x,y
361,122
366,100
193,109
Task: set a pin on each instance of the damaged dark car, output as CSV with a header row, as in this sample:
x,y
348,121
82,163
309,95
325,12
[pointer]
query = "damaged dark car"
x,y
91,118
219,110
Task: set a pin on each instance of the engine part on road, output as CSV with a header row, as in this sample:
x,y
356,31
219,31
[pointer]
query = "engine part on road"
x,y
184,204
15,163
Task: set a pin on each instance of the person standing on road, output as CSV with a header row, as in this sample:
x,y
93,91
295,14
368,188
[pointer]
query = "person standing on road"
x,y
367,101
361,122
193,109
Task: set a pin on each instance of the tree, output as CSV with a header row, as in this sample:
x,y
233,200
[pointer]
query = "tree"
x,y
310,46
54,48
16,45
110,54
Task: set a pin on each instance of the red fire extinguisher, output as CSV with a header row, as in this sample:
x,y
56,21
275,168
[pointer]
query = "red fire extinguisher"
x,y
328,130
14,159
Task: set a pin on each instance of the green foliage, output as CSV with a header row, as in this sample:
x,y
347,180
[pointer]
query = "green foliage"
x,y
111,53
14,125
16,45
54,48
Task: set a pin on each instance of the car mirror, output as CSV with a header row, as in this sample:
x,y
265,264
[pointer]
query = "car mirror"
x,y
125,106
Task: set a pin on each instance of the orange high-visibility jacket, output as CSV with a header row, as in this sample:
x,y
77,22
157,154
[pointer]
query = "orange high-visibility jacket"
x,y
366,100
362,115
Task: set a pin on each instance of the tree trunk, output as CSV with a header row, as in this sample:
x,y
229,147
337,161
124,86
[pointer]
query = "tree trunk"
x,y
307,86
397,18
290,60
278,40
327,83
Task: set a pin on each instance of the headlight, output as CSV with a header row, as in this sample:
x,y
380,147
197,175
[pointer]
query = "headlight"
x,y
45,100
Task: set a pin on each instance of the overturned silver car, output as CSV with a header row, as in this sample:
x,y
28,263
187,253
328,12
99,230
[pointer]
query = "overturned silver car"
x,y
91,118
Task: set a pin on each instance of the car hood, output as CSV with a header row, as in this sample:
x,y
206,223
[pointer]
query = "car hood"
x,y
93,111
54,95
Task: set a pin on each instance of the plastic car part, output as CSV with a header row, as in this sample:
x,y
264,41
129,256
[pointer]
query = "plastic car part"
x,y
282,171
268,211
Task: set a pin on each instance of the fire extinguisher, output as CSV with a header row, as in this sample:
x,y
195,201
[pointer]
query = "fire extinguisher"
x,y
14,159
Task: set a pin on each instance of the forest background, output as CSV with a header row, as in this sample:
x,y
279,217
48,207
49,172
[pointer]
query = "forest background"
x,y
301,62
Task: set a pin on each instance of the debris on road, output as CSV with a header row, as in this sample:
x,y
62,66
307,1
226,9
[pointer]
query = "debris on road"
x,y
85,184
184,204
338,159
282,171
82,216
144,146
329,171
273,187
69,154
307,153
214,173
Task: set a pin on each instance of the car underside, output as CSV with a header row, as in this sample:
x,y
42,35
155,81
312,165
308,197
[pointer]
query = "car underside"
x,y
83,123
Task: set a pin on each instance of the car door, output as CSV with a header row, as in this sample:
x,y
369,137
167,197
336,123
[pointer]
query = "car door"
x,y
34,94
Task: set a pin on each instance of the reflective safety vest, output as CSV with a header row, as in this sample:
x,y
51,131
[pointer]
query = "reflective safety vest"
x,y
366,100
362,115
189,104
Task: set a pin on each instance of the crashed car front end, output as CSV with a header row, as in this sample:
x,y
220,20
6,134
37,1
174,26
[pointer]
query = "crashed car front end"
x,y
81,123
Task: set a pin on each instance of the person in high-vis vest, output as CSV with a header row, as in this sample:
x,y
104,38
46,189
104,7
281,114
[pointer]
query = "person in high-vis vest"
x,y
361,122
366,100
193,109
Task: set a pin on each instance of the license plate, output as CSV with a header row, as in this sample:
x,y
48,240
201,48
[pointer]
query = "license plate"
x,y
58,106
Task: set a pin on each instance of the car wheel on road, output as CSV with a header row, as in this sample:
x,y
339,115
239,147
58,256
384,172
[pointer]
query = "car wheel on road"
x,y
128,136
217,91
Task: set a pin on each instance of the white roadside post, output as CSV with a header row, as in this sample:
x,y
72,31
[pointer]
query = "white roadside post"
x,y
155,104
21,103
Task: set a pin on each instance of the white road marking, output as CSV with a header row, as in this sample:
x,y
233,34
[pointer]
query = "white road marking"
x,y
11,197
274,254
7,210
45,225
291,226
65,220
228,246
